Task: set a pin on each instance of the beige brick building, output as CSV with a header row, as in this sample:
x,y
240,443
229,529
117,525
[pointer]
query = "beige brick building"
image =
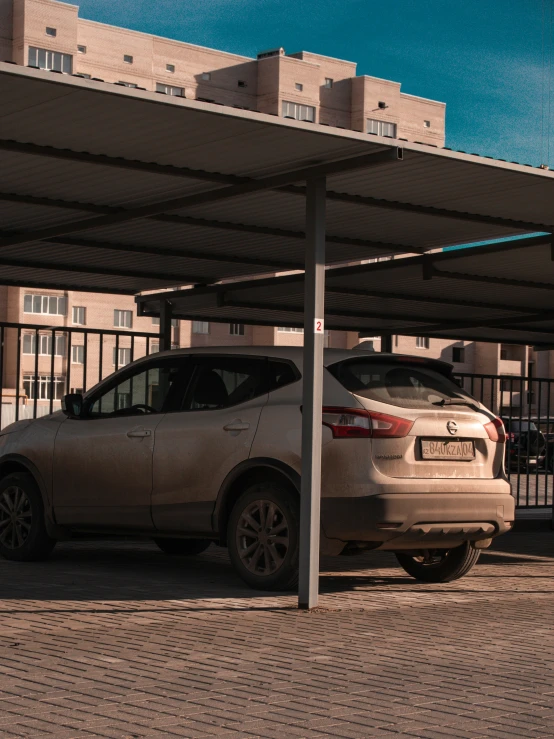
x,y
305,86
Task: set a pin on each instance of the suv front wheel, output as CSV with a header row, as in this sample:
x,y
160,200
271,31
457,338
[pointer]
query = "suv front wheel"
x,y
262,537
439,565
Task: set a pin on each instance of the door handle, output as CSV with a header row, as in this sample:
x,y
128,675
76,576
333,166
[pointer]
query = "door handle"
x,y
139,433
236,426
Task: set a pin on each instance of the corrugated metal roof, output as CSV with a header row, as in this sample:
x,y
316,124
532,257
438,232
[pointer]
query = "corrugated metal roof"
x,y
72,150
494,293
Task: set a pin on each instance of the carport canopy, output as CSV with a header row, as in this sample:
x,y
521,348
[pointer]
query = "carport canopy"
x,y
499,293
115,190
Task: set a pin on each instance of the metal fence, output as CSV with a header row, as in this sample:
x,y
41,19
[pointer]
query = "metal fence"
x,y
526,405
40,364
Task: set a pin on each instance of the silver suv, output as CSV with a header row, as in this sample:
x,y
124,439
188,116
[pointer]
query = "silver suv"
x,y
197,446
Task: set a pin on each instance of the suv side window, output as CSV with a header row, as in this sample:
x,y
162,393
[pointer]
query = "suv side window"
x,y
221,382
149,389
281,373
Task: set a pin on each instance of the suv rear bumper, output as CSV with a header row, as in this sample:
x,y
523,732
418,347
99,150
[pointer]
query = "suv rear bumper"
x,y
406,520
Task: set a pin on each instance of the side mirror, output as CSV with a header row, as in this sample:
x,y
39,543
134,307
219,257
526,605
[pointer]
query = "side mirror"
x,y
72,405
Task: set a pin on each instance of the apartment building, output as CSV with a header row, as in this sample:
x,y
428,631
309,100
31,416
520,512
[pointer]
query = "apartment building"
x,y
305,86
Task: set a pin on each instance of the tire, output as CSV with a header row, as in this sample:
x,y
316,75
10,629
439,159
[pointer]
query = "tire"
x,y
444,565
23,535
272,563
185,547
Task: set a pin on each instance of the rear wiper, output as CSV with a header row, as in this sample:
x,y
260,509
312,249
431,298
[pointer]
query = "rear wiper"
x,y
458,401
454,401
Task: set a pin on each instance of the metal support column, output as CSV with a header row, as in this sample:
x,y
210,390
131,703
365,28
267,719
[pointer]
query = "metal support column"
x,y
314,339
165,325
386,343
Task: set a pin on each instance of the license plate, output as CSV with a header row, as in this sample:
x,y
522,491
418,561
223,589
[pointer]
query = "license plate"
x,y
459,449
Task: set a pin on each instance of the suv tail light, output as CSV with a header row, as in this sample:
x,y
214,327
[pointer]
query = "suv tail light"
x,y
355,423
496,431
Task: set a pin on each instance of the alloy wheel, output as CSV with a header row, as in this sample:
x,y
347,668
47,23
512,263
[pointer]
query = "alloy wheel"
x,y
15,517
262,537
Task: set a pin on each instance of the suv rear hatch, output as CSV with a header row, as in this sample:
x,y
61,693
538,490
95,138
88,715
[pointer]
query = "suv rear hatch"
x,y
449,434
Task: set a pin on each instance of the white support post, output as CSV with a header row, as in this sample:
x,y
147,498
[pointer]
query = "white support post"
x,y
312,394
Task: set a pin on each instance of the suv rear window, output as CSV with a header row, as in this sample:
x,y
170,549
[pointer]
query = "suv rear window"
x,y
404,385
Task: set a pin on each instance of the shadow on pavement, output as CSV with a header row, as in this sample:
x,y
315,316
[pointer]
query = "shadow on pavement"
x,y
125,571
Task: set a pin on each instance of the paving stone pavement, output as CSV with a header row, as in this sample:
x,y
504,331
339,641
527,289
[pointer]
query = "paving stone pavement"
x,y
116,640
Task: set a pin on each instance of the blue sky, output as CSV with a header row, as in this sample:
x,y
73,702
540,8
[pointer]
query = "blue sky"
x,y
484,58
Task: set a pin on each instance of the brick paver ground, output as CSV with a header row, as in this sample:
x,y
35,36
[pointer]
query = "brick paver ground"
x,y
116,640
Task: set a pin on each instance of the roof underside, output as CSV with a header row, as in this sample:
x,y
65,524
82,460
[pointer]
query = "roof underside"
x,y
498,293
115,190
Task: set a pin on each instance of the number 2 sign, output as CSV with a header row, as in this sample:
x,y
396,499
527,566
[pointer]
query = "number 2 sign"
x,y
319,326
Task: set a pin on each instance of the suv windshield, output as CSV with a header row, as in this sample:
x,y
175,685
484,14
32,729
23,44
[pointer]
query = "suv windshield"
x,y
405,385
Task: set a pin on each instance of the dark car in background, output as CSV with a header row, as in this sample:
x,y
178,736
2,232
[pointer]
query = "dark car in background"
x,y
525,444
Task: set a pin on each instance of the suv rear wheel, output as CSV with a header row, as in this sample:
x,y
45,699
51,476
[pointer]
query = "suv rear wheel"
x,y
23,535
439,565
262,537
186,547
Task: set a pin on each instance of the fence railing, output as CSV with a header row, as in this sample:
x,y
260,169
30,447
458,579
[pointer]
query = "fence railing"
x,y
526,405
40,364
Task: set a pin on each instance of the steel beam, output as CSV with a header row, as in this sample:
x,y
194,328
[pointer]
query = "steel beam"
x,y
210,196
119,162
380,246
491,279
426,210
178,254
339,312
312,395
171,278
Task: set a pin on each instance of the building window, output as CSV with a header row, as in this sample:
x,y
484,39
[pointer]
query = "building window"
x,y
381,128
123,318
78,354
206,76
44,345
128,84
200,327
154,347
51,304
79,315
299,86
289,330
458,353
298,112
236,329
53,61
51,31
156,321
81,49
422,342
122,355
127,58
170,68
328,83
46,388
426,124
170,90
